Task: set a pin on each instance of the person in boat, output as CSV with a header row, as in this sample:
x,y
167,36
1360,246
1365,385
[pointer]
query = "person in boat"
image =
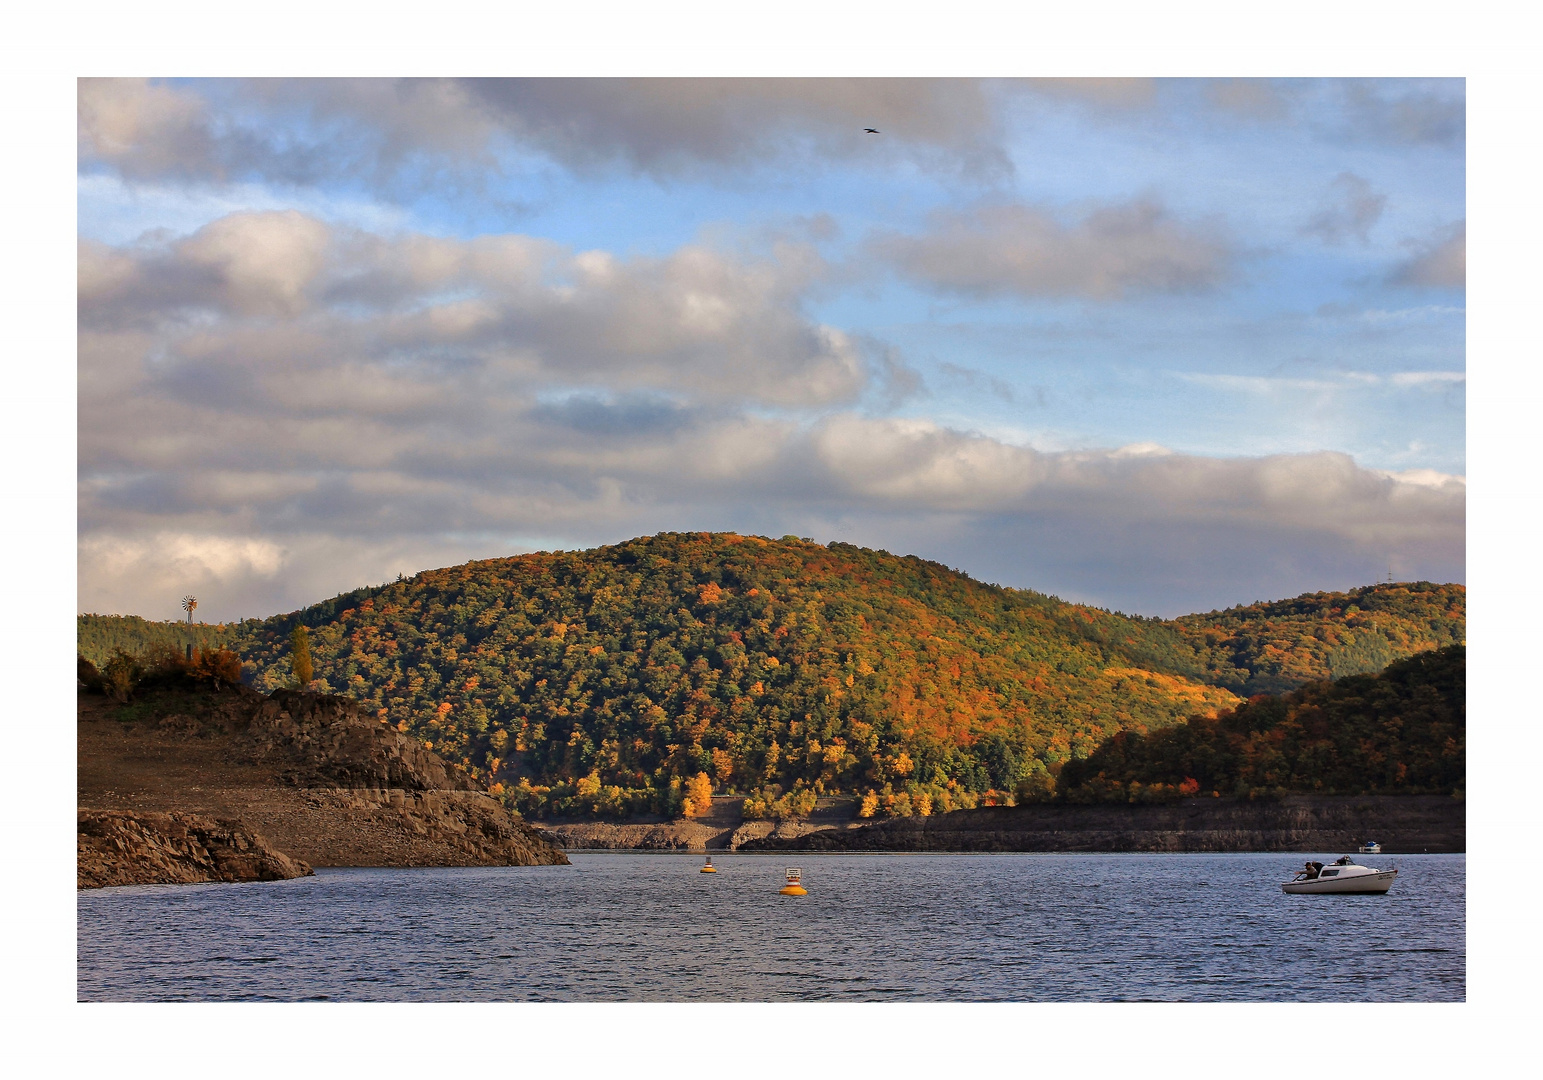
x,y
1343,860
1310,871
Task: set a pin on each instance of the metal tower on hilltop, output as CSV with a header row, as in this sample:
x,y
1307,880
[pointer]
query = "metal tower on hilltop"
x,y
188,604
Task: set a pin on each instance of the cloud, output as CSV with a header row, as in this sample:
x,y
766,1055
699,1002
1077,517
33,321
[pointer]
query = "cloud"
x,y
669,125
144,128
1104,93
264,508
275,304
924,465
1253,99
1349,209
1427,378
275,405
147,573
976,381
1330,382
1443,264
1114,251
1387,112
305,130
429,133
1405,111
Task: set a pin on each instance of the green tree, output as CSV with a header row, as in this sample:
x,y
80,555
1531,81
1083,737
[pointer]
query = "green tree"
x,y
300,656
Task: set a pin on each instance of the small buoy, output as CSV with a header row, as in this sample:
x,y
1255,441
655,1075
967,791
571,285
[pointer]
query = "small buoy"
x,y
794,886
709,868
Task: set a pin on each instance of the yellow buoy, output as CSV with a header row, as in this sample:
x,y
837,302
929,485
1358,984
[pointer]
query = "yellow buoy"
x,y
709,868
794,887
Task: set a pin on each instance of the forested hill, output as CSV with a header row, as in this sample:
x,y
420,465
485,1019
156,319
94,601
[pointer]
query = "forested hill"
x,y
606,679
1281,645
1403,731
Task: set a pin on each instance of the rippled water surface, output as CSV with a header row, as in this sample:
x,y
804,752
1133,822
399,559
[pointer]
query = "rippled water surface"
x,y
874,927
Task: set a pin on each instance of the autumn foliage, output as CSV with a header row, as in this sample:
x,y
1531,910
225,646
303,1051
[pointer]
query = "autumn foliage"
x,y
1403,731
160,665
610,681
698,797
606,681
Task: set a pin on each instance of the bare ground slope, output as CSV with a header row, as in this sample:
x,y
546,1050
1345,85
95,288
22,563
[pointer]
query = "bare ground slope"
x,y
317,780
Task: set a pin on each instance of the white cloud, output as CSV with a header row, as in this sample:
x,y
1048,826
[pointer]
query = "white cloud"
x,y
1327,383
373,128
142,127
1026,251
263,401
1177,518
273,301
1427,378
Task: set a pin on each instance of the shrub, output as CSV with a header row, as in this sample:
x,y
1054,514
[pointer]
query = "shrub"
x,y
121,675
88,675
217,665
1037,786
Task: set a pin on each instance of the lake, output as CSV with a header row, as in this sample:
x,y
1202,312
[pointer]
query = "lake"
x,y
650,927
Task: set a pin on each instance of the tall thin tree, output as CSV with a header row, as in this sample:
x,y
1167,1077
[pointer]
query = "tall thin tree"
x,y
300,656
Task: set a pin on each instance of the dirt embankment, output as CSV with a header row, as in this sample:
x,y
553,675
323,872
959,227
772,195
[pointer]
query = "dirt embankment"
x,y
321,782
1403,824
116,847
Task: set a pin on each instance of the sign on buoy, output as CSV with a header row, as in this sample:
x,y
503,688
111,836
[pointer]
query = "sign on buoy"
x,y
794,887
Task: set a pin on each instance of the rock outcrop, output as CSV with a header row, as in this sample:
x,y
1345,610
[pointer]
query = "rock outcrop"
x,y
122,848
321,780
327,740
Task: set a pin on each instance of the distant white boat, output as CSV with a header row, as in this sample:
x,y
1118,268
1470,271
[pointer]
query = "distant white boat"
x,y
1371,847
1345,876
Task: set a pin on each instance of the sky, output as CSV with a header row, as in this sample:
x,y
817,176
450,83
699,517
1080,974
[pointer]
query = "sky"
x,y
1157,345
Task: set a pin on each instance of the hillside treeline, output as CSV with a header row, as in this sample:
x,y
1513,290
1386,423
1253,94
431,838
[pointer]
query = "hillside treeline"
x,y
98,637
611,681
605,681
1403,731
1280,645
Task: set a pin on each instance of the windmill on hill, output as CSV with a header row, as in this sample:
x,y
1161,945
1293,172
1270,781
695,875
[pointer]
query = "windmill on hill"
x,y
188,604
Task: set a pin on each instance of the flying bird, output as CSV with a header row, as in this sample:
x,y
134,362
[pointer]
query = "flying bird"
x,y
871,131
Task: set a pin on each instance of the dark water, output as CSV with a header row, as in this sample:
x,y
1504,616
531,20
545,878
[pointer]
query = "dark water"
x,y
637,927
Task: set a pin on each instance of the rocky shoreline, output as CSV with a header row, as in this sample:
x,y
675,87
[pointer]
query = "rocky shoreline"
x,y
683,834
1404,824
122,848
320,783
1309,823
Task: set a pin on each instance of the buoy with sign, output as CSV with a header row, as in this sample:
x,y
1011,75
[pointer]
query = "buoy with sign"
x,y
794,887
709,868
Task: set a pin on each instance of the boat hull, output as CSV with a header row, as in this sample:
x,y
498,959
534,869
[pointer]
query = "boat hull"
x,y
1380,882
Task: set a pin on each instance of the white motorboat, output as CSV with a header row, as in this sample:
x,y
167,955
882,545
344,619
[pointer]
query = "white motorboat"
x,y
1371,847
1344,876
